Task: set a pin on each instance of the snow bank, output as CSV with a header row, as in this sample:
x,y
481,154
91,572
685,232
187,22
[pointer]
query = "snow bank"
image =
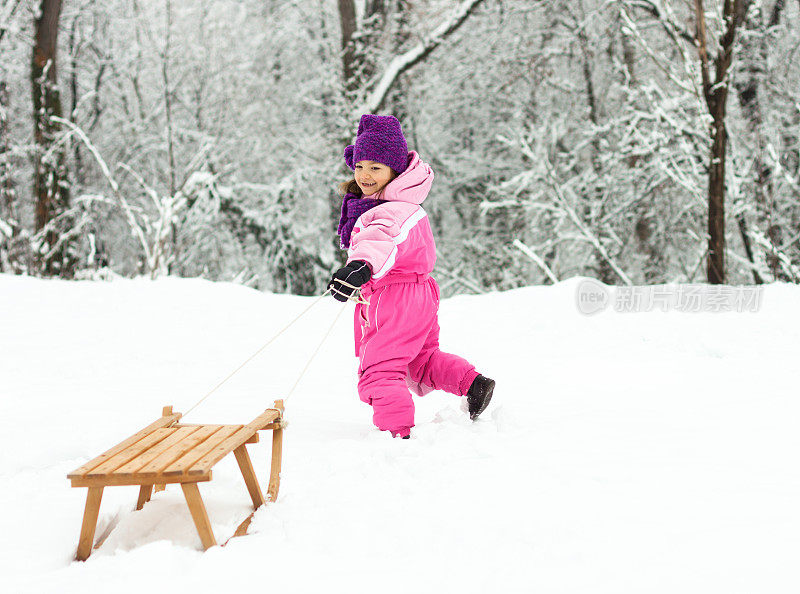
x,y
646,452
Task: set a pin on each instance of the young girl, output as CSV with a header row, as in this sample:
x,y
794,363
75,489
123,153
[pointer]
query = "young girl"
x,y
390,254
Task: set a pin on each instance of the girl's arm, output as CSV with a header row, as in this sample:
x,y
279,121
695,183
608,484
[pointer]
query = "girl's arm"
x,y
374,242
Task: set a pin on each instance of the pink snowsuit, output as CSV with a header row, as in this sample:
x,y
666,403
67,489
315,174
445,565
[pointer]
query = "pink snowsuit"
x,y
397,334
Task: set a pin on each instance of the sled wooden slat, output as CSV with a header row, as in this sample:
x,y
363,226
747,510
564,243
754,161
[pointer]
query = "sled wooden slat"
x,y
113,480
164,421
185,462
186,445
174,438
129,453
204,464
167,452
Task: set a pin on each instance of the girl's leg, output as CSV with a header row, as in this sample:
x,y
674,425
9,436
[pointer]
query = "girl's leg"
x,y
439,370
397,325
385,389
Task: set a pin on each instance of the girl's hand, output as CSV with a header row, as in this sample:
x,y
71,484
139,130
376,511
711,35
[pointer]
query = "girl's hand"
x,y
348,279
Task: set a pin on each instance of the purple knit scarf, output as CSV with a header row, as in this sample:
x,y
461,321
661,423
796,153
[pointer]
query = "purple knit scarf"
x,y
353,206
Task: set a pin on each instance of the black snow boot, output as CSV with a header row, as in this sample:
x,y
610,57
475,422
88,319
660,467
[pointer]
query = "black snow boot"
x,y
479,395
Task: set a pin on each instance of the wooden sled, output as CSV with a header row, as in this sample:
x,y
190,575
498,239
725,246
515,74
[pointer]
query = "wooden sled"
x,y
167,452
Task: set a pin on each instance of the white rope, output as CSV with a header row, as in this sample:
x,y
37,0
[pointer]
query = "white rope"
x,y
355,297
254,355
314,354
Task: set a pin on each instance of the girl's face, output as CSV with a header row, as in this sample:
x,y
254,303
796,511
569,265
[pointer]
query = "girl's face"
x,y
372,176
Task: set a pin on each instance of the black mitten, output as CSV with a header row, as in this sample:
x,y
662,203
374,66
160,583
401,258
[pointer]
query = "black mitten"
x,y
356,273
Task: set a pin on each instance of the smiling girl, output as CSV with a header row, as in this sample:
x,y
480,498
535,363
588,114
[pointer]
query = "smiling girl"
x,y
390,254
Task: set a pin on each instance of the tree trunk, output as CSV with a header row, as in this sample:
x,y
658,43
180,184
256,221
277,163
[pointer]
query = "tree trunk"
x,y
716,195
51,190
716,97
74,50
347,24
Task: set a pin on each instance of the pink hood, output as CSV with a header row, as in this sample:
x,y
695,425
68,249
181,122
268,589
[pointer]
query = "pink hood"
x,y
412,185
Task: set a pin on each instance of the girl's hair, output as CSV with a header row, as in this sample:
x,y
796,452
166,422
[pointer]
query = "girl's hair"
x,y
349,187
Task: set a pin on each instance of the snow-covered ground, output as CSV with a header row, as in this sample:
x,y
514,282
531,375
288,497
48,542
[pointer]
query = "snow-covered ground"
x,y
623,452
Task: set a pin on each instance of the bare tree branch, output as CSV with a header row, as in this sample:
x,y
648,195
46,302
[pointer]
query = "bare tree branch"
x,y
416,55
702,49
556,186
536,258
669,26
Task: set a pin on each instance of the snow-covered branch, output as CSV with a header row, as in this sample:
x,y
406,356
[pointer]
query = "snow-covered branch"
x,y
415,55
133,224
537,260
556,186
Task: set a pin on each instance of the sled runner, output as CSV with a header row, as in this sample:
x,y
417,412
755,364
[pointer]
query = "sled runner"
x,y
168,452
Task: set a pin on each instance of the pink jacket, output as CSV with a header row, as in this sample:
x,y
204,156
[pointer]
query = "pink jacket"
x,y
396,237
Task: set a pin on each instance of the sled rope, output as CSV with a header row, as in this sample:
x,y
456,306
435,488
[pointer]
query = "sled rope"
x,y
355,297
258,352
314,354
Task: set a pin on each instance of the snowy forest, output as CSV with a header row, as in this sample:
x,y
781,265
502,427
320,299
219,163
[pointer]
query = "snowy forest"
x,y
633,141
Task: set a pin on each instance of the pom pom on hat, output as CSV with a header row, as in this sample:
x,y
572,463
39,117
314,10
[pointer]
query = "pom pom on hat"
x,y
348,156
380,138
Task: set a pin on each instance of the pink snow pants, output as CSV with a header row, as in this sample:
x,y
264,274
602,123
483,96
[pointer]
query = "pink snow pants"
x,y
397,343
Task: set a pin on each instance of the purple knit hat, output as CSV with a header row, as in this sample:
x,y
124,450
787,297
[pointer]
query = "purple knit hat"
x,y
380,138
